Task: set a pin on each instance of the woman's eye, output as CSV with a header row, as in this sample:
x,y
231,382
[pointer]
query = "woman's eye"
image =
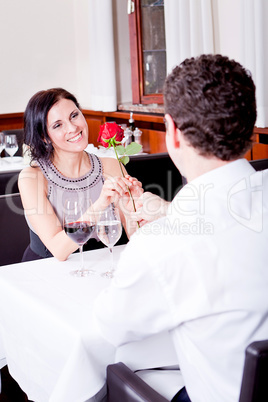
x,y
74,115
56,126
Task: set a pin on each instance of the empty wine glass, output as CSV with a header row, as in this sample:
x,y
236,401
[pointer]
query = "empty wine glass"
x,y
79,224
2,144
11,145
109,231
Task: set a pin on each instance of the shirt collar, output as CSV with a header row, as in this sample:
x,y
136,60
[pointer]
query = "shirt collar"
x,y
215,179
223,175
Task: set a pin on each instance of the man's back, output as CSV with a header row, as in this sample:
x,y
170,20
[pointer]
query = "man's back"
x,y
204,271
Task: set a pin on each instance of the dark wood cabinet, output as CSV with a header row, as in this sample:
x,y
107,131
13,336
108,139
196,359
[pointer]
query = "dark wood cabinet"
x,y
147,50
151,125
153,131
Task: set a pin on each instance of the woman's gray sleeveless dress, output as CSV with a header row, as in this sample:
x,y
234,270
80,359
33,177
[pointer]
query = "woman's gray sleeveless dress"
x,y
59,189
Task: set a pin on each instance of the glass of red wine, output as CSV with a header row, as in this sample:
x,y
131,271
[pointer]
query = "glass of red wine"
x,y
79,224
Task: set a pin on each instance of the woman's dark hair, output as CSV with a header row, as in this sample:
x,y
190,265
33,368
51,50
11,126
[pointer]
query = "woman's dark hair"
x,y
212,101
35,121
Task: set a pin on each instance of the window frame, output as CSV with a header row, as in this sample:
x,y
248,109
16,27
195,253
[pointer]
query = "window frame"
x,y
136,59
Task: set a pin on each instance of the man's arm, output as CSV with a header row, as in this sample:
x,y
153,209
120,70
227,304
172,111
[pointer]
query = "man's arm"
x,y
134,306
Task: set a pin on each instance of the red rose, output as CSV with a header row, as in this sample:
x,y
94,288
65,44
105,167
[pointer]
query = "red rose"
x,y
109,133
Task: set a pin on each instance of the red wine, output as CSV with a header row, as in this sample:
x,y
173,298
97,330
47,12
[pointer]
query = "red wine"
x,y
79,232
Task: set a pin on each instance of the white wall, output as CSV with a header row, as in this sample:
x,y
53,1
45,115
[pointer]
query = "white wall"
x,y
44,44
37,49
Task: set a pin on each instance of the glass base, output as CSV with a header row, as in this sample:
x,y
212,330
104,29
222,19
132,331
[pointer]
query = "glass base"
x,y
82,272
108,274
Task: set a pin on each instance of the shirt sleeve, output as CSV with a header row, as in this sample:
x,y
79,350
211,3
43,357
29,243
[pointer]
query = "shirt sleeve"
x,y
134,306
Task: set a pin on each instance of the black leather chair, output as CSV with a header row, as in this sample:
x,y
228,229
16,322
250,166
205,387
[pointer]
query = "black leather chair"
x,y
9,182
124,385
14,231
254,386
259,164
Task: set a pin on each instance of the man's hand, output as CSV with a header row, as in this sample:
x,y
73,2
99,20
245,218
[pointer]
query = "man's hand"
x,y
149,208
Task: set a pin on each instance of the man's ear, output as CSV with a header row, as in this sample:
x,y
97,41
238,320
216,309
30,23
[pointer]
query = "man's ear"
x,y
172,131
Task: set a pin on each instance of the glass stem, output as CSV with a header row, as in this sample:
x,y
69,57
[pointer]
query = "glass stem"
x,y
81,258
112,258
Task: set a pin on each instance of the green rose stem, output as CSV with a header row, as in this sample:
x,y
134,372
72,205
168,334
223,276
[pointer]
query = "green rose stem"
x,y
128,189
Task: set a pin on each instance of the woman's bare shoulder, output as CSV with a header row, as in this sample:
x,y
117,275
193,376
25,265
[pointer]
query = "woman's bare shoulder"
x,y
30,171
30,175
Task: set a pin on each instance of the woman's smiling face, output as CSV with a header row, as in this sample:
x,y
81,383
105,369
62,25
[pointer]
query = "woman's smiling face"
x,y
67,127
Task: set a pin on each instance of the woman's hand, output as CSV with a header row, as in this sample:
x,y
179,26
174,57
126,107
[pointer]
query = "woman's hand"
x,y
127,203
116,190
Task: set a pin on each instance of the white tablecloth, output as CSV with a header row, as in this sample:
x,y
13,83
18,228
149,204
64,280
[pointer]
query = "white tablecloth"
x,y
6,164
47,334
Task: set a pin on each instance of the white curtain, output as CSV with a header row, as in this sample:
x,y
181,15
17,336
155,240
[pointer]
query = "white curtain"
x,y
189,30
254,51
102,77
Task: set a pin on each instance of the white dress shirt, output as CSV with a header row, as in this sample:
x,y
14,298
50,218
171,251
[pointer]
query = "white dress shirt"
x,y
201,273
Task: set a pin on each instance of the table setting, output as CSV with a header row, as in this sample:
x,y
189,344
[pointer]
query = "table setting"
x,y
10,163
48,335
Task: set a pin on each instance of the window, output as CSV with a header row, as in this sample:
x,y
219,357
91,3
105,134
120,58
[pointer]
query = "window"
x,y
147,50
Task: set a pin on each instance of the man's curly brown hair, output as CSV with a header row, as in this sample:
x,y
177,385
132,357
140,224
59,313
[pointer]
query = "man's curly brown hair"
x,y
212,101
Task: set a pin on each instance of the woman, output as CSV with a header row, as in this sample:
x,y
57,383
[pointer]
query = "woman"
x,y
57,134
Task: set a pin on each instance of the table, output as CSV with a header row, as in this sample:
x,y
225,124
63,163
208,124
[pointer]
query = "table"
x,y
47,331
7,166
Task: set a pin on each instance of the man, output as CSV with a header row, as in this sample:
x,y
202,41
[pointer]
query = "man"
x,y
200,271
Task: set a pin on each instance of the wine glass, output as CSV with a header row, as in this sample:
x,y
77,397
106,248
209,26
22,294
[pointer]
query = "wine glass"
x,y
79,224
11,145
2,144
109,231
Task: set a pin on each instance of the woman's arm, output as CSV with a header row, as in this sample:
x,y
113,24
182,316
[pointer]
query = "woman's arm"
x,y
40,213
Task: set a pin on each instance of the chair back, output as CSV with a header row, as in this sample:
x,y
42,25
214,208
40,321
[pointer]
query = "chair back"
x,y
254,386
124,385
259,164
14,231
9,182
